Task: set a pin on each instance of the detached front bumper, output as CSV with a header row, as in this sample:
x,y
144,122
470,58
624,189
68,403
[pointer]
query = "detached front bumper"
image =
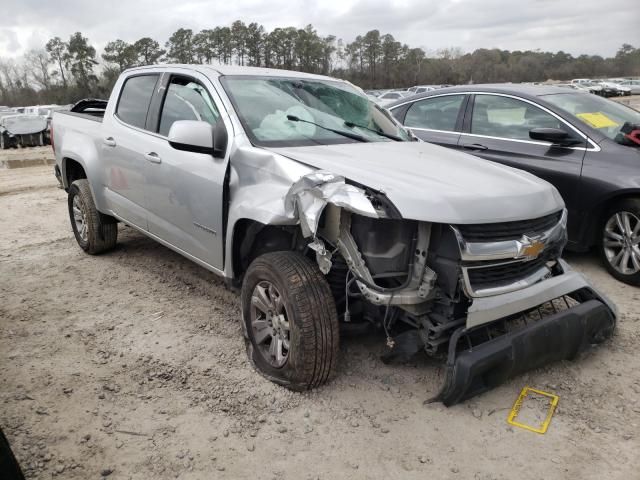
x,y
487,309
559,336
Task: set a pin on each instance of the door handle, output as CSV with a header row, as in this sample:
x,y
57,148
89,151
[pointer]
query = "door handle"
x,y
109,142
474,146
153,157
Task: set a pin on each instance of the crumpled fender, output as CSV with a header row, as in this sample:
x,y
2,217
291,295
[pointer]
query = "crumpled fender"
x,y
307,198
275,190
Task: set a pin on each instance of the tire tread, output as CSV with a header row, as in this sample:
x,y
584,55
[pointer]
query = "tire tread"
x,y
314,306
102,229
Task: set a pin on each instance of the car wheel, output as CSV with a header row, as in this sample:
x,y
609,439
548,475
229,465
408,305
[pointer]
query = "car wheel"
x,y
3,142
94,232
290,320
620,241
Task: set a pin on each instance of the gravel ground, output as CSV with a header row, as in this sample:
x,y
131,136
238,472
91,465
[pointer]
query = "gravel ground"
x,y
131,365
632,101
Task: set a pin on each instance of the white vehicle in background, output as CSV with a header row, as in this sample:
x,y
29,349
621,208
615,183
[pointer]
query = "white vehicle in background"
x,y
374,99
632,85
423,88
581,81
595,86
44,112
392,95
617,89
21,130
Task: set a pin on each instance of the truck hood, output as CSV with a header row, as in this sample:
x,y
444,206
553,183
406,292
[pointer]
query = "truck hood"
x,y
436,184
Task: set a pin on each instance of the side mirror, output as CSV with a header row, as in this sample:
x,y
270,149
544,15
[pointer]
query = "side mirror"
x,y
554,135
198,137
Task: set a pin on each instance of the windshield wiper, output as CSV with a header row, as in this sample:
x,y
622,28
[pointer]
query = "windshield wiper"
x,y
354,136
379,132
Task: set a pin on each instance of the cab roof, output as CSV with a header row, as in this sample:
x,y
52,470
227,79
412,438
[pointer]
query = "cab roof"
x,y
224,70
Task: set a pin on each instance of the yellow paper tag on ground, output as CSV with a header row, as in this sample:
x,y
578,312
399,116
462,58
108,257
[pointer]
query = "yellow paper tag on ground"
x,y
551,400
597,120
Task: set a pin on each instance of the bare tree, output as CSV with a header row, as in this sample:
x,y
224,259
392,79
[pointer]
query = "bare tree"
x,y
37,63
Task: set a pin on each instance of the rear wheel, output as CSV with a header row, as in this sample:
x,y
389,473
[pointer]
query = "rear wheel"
x,y
290,320
94,232
620,241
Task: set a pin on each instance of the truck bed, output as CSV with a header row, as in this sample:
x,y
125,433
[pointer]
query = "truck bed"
x,y
79,129
89,108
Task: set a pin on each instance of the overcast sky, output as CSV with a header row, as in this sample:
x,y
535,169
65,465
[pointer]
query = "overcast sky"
x,y
585,26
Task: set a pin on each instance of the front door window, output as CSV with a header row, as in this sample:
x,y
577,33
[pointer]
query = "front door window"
x,y
506,117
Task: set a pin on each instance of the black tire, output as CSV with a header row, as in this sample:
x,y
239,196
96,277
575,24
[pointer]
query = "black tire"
x,y
629,206
101,230
310,312
4,142
8,464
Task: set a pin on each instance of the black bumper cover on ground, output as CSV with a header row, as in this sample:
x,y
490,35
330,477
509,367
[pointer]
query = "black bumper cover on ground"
x,y
561,336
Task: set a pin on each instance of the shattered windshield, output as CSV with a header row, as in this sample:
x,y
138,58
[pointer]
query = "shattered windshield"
x,y
606,116
280,112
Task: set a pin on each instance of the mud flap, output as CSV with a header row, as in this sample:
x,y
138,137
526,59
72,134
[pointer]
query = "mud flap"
x,y
561,336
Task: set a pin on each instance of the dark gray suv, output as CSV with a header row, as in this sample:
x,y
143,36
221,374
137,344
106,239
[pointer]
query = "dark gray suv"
x,y
586,146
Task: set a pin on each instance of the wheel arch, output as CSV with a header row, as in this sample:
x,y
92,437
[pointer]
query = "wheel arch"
x,y
72,170
592,234
252,238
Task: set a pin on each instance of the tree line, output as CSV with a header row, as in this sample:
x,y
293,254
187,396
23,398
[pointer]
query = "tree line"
x,y
64,71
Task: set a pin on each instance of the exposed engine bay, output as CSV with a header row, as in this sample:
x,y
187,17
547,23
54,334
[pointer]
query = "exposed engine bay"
x,y
450,290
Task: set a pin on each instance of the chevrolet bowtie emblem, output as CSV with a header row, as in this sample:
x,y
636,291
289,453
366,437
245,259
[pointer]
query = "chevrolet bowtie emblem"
x,y
532,250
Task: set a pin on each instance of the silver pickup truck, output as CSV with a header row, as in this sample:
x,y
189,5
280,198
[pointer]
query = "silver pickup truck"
x,y
330,218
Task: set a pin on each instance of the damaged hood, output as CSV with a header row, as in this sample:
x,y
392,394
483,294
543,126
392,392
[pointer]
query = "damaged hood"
x,y
431,183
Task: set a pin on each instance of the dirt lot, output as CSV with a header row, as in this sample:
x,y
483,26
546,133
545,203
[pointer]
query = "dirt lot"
x,y
632,101
131,365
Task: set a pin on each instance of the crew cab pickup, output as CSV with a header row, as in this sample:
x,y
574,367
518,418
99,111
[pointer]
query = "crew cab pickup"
x,y
329,216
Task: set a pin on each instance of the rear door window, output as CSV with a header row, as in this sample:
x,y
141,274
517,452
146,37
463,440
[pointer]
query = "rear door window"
x,y
435,113
135,99
186,100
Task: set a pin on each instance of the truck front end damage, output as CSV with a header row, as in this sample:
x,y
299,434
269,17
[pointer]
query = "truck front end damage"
x,y
492,299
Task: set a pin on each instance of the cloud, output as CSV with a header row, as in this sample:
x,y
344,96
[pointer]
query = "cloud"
x,y
9,40
593,27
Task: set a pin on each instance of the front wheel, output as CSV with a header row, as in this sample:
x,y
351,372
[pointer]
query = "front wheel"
x,y
620,241
94,232
290,320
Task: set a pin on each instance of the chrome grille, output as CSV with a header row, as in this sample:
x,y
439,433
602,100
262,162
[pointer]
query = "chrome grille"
x,y
503,231
488,276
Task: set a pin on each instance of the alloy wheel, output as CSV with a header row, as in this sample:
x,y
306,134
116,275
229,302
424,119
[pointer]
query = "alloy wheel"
x,y
621,242
80,218
270,324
